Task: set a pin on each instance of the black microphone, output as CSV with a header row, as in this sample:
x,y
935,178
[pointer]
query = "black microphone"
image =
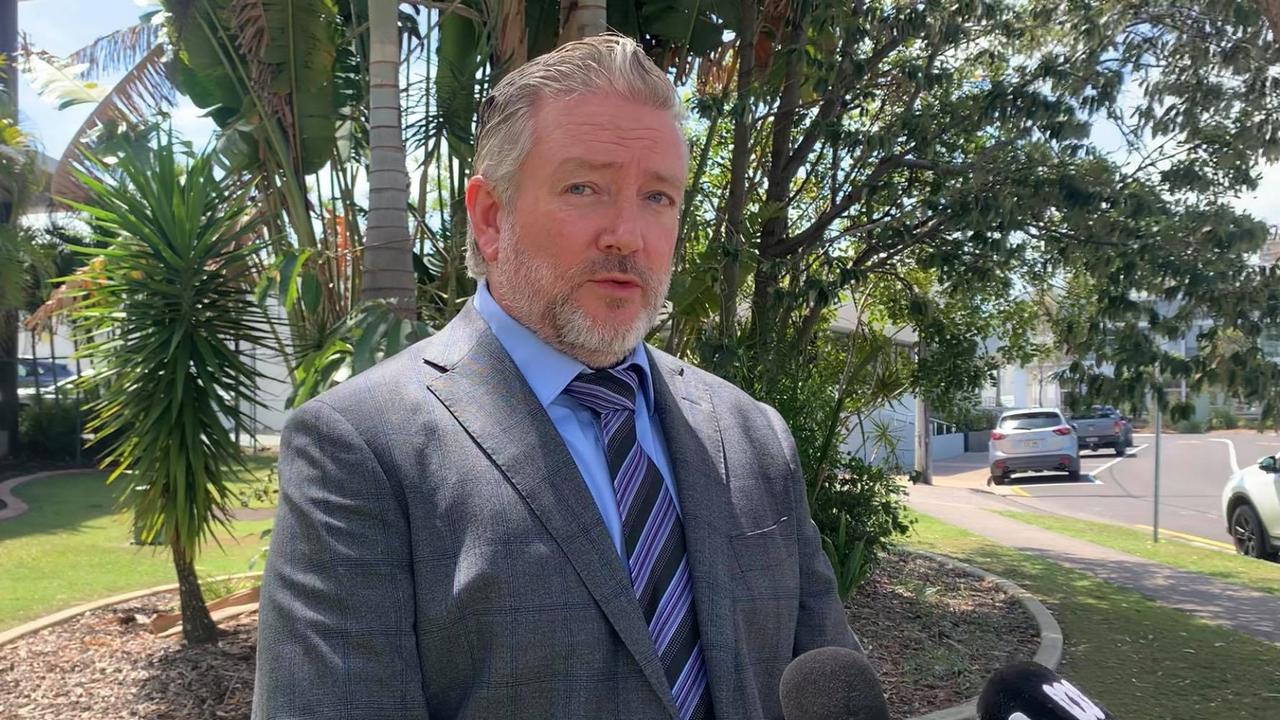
x,y
1031,691
832,683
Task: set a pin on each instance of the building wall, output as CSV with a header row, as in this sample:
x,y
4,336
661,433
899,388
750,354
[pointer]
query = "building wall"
x,y
900,418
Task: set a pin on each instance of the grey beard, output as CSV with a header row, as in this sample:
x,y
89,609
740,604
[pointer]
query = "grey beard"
x,y
535,299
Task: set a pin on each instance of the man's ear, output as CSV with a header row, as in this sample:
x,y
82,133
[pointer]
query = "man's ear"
x,y
483,207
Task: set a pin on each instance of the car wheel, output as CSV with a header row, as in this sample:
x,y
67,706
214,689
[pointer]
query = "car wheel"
x,y
995,480
1073,476
1120,446
1247,533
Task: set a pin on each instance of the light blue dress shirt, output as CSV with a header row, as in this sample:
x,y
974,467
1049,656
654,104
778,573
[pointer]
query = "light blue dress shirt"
x,y
548,371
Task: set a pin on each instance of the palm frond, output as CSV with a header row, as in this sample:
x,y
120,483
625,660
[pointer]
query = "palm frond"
x,y
120,50
58,81
134,100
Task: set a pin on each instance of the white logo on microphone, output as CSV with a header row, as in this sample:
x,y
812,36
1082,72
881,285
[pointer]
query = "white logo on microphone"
x,y
1073,701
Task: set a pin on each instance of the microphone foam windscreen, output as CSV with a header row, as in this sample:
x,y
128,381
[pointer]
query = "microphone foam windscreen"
x,y
1033,691
832,683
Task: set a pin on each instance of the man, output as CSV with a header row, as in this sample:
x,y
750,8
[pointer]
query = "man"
x,y
532,513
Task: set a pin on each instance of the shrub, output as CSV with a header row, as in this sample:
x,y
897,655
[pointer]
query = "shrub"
x,y
972,419
820,390
860,512
1189,426
50,429
1223,419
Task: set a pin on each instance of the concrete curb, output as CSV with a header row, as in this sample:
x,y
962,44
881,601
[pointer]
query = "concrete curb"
x,y
13,507
1049,654
62,616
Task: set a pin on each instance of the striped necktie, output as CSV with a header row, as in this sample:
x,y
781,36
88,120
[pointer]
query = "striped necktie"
x,y
653,536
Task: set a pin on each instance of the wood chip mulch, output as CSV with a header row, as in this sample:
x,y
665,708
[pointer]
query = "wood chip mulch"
x,y
105,665
934,634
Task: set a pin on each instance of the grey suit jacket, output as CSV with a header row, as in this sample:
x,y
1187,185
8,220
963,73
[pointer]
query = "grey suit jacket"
x,y
436,553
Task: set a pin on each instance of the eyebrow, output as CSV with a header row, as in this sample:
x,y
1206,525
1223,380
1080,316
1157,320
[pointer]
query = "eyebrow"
x,y
572,164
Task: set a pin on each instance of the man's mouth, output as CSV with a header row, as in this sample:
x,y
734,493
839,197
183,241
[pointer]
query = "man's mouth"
x,y
616,282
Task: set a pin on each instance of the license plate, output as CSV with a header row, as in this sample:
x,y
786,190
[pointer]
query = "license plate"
x,y
1031,444
1092,439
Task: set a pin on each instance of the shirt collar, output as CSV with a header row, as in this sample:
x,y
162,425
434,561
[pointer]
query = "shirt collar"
x,y
547,370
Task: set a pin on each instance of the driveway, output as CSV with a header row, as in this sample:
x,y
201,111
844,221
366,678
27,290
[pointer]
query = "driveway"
x,y
1193,471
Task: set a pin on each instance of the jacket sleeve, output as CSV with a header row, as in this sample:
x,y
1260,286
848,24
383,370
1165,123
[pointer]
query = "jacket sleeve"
x,y
336,617
822,621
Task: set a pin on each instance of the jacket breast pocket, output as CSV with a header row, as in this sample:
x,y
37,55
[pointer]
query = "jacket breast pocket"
x,y
769,548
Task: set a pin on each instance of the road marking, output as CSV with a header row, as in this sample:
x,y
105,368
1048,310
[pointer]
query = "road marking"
x,y
1019,491
1235,465
1192,538
1097,470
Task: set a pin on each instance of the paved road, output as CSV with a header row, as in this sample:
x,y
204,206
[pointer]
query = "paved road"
x,y
1194,469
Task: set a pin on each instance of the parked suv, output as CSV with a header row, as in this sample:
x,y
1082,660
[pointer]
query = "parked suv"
x,y
1102,426
1251,507
1038,439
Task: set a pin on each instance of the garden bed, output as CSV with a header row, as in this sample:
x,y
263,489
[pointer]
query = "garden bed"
x,y
934,634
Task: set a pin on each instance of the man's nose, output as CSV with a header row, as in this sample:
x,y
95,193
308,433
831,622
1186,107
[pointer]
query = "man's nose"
x,y
623,233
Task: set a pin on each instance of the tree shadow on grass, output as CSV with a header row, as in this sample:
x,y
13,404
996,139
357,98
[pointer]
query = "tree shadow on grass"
x,y
61,503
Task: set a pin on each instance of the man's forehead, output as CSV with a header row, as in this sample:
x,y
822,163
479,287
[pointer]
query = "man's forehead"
x,y
573,164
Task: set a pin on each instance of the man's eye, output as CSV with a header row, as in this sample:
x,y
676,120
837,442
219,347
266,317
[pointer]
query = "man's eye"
x,y
579,189
660,198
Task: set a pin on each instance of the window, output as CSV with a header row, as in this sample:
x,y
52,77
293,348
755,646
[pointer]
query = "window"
x,y
1031,421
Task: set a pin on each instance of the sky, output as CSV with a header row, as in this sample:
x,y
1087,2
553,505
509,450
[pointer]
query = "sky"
x,y
62,26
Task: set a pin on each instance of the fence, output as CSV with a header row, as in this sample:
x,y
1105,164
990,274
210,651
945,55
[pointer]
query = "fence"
x,y
47,369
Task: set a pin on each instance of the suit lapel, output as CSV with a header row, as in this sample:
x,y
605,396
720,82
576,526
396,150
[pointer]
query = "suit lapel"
x,y
692,434
489,397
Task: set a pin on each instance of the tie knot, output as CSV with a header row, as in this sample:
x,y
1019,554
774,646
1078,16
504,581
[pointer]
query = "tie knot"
x,y
606,390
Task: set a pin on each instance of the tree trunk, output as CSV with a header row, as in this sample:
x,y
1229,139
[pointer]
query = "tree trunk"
x,y
739,161
9,48
388,248
197,625
9,376
583,18
9,316
924,430
513,38
1271,10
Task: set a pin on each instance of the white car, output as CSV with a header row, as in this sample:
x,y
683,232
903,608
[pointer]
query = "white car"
x,y
1251,507
1036,439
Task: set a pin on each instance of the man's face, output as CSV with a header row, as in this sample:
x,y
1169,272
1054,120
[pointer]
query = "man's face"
x,y
584,257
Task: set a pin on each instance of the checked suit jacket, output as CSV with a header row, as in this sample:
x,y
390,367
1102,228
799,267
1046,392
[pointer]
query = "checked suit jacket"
x,y
436,553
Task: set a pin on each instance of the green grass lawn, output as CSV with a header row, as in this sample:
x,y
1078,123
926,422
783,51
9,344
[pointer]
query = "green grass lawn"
x,y
72,546
1229,567
1140,659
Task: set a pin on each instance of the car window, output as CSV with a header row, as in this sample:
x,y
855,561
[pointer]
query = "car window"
x,y
1097,412
1031,421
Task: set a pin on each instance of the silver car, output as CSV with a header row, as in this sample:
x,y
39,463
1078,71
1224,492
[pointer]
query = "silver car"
x,y
1038,439
1251,507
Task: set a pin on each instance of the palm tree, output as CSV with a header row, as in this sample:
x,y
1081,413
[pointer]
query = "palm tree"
x,y
166,319
388,250
21,179
582,19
